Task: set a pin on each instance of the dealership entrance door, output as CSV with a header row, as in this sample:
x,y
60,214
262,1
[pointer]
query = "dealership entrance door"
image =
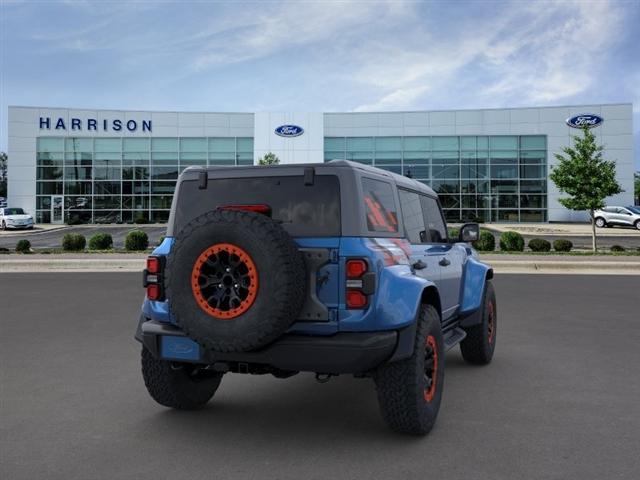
x,y
57,209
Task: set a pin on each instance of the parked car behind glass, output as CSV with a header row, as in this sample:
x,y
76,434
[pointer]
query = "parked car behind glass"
x,y
15,218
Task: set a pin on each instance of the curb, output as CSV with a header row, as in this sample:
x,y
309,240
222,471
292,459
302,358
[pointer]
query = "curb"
x,y
72,265
566,267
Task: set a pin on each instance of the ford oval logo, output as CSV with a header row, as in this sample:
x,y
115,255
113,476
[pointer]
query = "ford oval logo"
x,y
181,348
289,131
583,120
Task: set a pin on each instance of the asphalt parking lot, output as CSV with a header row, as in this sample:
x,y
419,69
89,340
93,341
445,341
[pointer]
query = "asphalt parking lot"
x,y
560,400
53,238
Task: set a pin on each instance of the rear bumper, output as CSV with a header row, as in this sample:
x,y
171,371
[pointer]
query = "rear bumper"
x,y
344,352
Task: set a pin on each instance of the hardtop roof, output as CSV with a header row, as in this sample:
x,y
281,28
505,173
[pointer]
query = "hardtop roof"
x,y
400,180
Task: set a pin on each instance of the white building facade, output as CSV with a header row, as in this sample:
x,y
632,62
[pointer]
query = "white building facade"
x,y
111,166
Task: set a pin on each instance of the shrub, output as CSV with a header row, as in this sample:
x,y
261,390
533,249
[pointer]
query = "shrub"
x,y
4,250
539,245
73,242
511,242
161,239
617,248
562,245
486,242
454,233
141,220
23,246
136,240
101,241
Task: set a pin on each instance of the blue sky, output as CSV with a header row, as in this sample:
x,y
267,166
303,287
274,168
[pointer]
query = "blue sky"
x,y
318,55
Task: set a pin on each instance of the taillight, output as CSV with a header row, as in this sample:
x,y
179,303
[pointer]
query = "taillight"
x,y
153,265
153,291
356,299
356,268
360,283
152,278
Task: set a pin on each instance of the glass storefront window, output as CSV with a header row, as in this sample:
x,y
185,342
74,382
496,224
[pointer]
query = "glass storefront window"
x,y
503,142
136,145
445,143
244,145
422,144
165,144
78,144
359,144
492,169
334,144
50,144
388,144
226,145
533,142
193,145
107,144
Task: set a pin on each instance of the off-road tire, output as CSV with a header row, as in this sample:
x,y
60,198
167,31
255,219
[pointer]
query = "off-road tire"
x,y
281,280
402,385
480,343
175,385
603,222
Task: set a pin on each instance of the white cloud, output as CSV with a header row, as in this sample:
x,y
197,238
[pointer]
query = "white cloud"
x,y
537,53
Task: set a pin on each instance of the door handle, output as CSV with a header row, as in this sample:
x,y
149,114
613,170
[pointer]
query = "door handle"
x,y
419,265
444,262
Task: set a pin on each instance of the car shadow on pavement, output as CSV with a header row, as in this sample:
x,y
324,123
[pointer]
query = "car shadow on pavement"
x,y
265,407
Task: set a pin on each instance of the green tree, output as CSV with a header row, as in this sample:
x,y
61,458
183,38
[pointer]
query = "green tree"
x,y
585,177
269,159
3,174
636,187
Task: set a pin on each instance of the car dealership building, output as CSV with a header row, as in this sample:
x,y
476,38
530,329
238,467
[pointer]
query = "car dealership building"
x,y
116,166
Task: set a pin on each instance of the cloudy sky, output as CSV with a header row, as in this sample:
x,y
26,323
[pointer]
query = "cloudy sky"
x,y
318,55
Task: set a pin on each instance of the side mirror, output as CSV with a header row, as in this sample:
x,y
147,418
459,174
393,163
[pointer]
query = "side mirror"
x,y
469,232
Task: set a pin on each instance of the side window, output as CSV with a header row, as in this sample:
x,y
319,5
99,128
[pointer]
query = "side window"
x,y
380,206
436,227
412,216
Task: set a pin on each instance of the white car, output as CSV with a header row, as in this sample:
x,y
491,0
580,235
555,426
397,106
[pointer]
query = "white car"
x,y
623,216
15,218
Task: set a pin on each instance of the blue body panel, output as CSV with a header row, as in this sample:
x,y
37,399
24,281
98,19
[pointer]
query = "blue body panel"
x,y
474,278
394,304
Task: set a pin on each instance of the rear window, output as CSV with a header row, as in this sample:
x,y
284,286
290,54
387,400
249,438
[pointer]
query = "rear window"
x,y
302,210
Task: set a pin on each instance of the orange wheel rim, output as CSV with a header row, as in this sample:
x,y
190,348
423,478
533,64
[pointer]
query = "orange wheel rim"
x,y
224,281
491,323
430,368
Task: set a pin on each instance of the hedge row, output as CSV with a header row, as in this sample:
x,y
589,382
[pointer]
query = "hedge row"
x,y
135,240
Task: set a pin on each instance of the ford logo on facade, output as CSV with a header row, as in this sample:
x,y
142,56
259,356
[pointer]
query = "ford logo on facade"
x,y
583,120
289,131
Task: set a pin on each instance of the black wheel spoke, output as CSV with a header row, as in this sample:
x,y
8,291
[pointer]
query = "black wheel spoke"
x,y
224,280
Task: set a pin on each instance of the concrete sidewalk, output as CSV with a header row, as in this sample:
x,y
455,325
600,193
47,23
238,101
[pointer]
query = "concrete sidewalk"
x,y
556,264
559,229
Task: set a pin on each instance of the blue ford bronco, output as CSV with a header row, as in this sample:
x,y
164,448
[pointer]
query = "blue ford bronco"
x,y
334,268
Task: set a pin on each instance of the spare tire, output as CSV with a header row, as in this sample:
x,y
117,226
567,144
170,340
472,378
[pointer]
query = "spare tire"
x,y
235,280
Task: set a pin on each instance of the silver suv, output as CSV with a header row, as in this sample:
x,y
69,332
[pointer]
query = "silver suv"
x,y
624,216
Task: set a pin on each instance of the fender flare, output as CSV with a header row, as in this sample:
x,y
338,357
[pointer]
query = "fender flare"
x,y
475,283
407,335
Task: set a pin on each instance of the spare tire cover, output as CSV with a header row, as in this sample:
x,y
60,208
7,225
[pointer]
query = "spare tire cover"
x,y
235,280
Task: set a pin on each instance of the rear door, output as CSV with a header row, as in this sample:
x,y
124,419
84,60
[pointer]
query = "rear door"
x,y
449,257
425,266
